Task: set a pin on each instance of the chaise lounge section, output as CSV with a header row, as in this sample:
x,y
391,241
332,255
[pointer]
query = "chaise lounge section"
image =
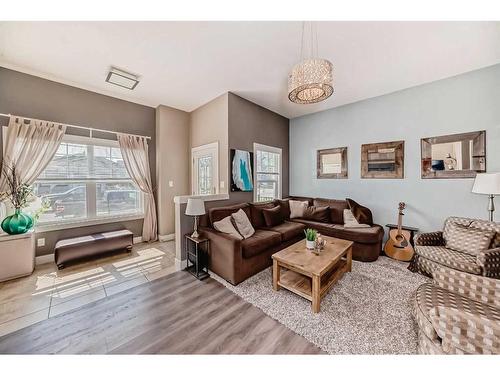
x,y
238,259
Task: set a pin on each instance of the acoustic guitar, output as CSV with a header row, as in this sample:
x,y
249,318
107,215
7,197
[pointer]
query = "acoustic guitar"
x,y
398,244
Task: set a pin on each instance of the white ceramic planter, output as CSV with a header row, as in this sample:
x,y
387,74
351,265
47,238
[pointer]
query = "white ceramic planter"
x,y
17,255
310,245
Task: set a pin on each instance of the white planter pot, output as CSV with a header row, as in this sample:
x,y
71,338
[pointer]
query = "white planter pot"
x,y
310,244
17,255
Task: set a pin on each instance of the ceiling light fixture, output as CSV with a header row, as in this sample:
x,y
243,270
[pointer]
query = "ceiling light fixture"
x,y
123,79
311,80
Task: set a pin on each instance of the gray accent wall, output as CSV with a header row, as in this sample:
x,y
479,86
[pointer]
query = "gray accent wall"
x,y
30,96
250,123
459,104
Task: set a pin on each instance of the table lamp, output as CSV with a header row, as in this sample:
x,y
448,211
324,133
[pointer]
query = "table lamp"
x,y
195,207
489,184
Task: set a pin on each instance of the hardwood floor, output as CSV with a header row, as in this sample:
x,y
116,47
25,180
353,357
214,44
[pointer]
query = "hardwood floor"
x,y
176,314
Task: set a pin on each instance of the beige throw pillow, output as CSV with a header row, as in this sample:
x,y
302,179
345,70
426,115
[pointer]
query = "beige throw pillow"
x,y
351,222
297,208
226,226
468,240
242,223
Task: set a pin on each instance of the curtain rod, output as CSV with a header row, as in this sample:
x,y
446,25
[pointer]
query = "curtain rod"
x,y
77,126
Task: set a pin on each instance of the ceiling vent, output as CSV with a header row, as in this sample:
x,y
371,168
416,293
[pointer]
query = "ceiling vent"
x,y
123,79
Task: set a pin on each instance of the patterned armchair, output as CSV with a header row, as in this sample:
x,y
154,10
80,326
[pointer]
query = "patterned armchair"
x,y
477,241
458,313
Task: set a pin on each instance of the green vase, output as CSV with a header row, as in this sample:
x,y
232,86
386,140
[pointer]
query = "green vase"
x,y
18,223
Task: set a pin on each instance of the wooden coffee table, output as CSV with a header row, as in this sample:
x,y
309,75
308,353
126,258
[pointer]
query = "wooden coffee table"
x,y
309,275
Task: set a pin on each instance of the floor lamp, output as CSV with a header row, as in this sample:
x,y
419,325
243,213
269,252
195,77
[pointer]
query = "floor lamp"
x,y
488,184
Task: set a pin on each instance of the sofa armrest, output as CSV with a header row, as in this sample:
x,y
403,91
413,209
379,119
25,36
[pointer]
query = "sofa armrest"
x,y
429,239
225,256
461,331
479,288
489,260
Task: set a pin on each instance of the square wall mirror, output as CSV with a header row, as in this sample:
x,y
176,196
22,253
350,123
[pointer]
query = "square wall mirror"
x,y
382,160
454,156
332,163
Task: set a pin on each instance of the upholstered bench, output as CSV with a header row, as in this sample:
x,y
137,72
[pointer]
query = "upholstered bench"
x,y
73,249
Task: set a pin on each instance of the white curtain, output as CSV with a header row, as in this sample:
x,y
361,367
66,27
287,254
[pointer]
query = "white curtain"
x,y
136,158
30,147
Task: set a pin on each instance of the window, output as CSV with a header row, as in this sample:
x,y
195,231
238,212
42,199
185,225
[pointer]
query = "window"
x,y
205,172
267,172
87,180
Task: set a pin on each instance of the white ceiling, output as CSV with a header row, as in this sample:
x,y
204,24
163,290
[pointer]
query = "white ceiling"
x,y
186,64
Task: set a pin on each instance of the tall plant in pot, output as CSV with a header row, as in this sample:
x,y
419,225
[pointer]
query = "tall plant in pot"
x,y
18,194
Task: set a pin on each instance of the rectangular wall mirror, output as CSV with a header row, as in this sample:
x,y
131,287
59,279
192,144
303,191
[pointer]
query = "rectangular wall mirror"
x,y
332,163
454,156
382,160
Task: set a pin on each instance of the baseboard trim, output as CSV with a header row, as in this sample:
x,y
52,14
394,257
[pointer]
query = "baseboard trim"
x,y
44,259
166,237
137,240
180,264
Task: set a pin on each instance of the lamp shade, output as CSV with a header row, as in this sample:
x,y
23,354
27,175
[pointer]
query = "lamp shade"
x,y
195,207
487,183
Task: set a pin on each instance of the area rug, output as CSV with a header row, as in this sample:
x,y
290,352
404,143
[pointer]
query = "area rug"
x,y
367,312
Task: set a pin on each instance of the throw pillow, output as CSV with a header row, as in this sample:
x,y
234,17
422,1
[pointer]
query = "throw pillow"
x,y
469,240
351,222
226,226
320,214
256,215
297,208
362,214
242,223
272,216
285,208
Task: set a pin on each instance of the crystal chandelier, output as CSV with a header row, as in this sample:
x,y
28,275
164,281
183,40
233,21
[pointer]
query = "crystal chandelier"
x,y
311,80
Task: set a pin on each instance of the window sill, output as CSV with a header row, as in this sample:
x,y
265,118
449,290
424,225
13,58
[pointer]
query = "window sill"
x,y
49,227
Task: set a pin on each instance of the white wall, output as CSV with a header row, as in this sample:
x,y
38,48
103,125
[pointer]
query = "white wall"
x,y
459,104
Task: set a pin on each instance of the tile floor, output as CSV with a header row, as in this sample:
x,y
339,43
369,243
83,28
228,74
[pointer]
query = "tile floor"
x,y
49,292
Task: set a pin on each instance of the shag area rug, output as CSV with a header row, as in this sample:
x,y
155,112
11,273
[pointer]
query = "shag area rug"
x,y
369,311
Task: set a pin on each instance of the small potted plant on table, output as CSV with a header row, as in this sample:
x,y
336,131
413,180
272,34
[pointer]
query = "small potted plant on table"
x,y
311,235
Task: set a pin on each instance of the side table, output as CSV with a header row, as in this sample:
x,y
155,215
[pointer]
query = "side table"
x,y
197,250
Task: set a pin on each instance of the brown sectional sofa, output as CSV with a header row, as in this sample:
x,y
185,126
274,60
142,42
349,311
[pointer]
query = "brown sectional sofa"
x,y
235,260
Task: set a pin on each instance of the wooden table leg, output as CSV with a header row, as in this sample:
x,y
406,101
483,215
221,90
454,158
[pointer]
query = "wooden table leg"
x,y
276,275
349,259
316,296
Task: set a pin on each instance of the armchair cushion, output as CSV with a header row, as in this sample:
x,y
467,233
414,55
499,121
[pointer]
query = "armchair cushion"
x,y
471,333
449,258
429,239
468,240
489,260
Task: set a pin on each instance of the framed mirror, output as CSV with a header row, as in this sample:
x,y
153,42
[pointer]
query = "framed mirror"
x,y
454,156
332,163
383,160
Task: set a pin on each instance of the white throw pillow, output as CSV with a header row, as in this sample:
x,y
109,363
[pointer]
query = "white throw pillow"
x,y
226,226
242,223
351,222
297,208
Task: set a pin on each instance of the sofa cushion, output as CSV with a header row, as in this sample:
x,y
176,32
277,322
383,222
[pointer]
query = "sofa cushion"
x,y
285,208
351,222
289,230
257,217
309,201
362,214
219,213
469,240
259,242
336,206
449,258
369,235
242,223
297,208
226,226
272,216
316,213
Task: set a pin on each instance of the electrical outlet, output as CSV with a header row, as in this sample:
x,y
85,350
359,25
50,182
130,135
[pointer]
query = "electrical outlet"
x,y
40,242
171,183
